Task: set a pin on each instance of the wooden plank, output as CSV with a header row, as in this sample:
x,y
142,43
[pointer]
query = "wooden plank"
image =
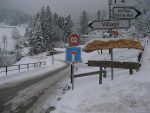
x,y
115,64
86,74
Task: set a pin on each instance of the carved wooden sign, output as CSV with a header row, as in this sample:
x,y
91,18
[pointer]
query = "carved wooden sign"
x,y
115,64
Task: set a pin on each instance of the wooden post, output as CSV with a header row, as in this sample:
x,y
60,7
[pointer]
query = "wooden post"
x,y
100,76
28,66
101,51
37,64
53,58
131,71
34,65
19,68
44,63
40,64
6,70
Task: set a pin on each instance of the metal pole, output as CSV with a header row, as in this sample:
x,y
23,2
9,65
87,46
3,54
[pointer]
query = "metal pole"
x,y
112,70
109,5
53,58
53,52
110,17
72,75
100,76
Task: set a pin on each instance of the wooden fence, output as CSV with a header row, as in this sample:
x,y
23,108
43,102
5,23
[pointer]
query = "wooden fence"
x,y
18,68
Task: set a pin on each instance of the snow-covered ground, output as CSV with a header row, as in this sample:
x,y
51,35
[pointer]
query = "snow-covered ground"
x,y
125,94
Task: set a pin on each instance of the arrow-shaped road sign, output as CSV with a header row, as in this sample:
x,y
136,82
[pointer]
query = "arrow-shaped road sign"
x,y
125,13
109,24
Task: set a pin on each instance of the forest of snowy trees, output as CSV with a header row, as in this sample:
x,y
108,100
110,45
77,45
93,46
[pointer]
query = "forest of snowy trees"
x,y
142,23
46,29
14,17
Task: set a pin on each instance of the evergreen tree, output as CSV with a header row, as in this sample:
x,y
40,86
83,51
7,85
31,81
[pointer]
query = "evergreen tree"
x,y
13,17
98,15
142,22
16,36
37,40
48,24
84,23
42,19
47,28
68,27
27,36
103,14
55,18
61,22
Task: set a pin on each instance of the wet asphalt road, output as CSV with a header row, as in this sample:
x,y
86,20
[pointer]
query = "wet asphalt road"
x,y
7,94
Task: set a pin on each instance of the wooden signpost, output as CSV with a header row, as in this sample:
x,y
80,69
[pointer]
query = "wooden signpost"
x,y
119,19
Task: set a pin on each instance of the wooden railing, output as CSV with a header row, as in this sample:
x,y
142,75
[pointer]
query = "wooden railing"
x,y
18,68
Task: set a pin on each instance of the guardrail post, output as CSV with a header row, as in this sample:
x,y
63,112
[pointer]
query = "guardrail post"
x,y
6,70
40,64
131,71
28,66
34,65
19,68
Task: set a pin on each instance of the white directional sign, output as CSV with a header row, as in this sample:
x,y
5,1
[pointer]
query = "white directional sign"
x,y
124,2
125,13
109,24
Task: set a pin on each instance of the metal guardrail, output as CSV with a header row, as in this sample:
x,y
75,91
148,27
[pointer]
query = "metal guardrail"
x,y
6,69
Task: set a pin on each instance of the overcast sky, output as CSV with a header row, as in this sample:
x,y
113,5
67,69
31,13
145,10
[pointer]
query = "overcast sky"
x,y
62,7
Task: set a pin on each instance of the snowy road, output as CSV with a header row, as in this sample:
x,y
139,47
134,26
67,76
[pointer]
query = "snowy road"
x,y
30,90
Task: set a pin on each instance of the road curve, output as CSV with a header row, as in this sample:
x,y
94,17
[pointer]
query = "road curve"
x,y
7,94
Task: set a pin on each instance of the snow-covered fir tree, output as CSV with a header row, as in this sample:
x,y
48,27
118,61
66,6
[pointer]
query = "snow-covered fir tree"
x,y
16,36
37,41
68,25
142,23
84,23
27,36
48,28
98,15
